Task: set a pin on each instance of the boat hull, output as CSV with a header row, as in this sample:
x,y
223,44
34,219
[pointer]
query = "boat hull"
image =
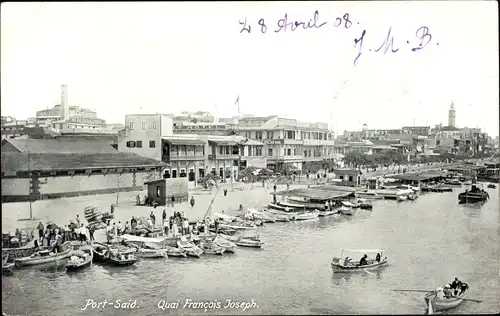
x,y
77,266
8,268
442,304
327,213
337,268
28,261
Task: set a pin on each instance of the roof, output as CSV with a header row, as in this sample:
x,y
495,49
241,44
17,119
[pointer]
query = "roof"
x,y
60,145
223,142
333,187
384,147
449,129
184,141
415,176
71,161
315,193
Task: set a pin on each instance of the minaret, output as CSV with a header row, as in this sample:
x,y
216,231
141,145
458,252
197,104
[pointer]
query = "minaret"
x,y
451,115
64,102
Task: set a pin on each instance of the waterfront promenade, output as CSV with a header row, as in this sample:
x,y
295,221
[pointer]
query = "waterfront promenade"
x,y
63,210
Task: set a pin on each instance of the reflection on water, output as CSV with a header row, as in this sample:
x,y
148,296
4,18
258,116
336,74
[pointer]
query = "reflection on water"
x,y
428,242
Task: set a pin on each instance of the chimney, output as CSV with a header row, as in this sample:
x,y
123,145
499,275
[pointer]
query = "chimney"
x,y
64,102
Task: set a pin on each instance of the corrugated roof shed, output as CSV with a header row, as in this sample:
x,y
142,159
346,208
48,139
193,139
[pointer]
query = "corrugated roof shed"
x,y
60,145
13,162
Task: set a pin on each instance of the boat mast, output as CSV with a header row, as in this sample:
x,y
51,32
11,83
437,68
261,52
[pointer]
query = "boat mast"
x,y
29,184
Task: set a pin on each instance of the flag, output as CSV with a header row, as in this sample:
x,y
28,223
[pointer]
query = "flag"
x,y
237,102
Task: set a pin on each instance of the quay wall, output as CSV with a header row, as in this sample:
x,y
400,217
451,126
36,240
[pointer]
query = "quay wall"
x,y
17,189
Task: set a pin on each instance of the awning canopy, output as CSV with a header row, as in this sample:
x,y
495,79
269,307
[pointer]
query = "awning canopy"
x,y
223,142
176,141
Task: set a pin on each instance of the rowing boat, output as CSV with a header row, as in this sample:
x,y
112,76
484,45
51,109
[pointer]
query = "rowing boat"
x,y
45,256
80,259
191,249
437,304
339,266
327,213
344,210
306,215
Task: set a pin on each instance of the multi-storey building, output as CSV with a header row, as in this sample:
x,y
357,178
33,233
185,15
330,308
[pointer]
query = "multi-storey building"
x,y
188,155
366,133
417,130
289,141
64,113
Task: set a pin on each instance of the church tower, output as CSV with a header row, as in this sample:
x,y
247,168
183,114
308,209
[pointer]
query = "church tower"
x,y
451,115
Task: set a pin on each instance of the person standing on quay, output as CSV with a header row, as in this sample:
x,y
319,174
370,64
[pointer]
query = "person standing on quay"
x,y
153,218
274,188
78,219
40,230
192,202
164,217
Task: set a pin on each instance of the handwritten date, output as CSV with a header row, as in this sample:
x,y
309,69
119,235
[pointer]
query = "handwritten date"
x,y
286,24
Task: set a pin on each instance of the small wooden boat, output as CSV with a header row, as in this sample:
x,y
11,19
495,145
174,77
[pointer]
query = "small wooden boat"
x,y
292,205
453,182
45,256
437,304
247,242
151,253
365,204
369,195
191,249
7,268
350,204
280,208
306,215
222,242
279,216
327,213
121,259
176,252
492,186
99,251
211,248
238,226
344,210
339,266
266,218
80,259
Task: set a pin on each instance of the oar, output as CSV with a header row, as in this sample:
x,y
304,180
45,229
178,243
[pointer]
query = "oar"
x,y
369,272
472,300
422,291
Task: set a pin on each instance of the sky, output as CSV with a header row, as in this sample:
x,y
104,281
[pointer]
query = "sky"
x,y
125,58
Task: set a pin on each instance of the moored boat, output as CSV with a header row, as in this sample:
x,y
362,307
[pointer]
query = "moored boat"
x,y
350,204
436,303
369,195
45,256
176,252
279,216
121,259
327,213
492,186
222,242
80,259
211,248
306,215
280,208
344,210
364,204
247,242
7,267
191,249
342,265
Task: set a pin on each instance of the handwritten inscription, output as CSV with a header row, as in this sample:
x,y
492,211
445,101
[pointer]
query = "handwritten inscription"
x,y
385,45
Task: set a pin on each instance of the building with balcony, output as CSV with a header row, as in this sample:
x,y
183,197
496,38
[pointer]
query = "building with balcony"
x,y
289,141
188,155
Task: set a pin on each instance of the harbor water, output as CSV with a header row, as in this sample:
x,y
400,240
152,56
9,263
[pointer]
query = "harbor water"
x,y
428,242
